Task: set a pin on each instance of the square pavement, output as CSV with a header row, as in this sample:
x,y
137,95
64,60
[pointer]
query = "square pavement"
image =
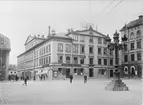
x,y
61,92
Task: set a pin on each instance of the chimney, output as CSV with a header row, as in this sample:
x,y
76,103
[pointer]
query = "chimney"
x,y
71,29
141,17
53,32
49,34
68,31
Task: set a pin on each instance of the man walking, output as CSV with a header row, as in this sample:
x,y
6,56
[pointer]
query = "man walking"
x,y
85,78
71,78
25,81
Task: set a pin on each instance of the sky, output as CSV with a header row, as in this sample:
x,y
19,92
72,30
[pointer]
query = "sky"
x,y
19,19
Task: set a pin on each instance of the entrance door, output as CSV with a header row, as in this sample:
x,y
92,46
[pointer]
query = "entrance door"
x,y
67,73
111,73
91,72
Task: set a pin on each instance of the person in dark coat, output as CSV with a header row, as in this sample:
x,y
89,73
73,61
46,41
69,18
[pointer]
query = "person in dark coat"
x,y
25,81
85,78
71,78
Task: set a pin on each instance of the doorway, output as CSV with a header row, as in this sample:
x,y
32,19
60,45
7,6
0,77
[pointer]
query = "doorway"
x,y
111,73
67,73
91,72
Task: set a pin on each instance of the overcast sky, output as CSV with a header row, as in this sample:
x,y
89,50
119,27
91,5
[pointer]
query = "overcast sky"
x,y
18,19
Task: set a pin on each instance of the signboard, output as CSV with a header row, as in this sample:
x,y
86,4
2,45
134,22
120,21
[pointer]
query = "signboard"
x,y
77,65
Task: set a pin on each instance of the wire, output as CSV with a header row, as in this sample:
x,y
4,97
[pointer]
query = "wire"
x,y
116,5
108,5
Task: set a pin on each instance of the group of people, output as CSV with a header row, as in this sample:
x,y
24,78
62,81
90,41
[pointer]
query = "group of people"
x,y
71,78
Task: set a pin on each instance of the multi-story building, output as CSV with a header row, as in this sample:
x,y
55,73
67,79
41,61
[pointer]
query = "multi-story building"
x,y
76,52
132,56
4,56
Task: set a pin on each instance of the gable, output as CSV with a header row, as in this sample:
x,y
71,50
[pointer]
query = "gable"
x,y
29,39
91,33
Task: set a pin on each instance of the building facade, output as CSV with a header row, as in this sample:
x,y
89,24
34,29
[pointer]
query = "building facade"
x,y
4,56
77,52
132,56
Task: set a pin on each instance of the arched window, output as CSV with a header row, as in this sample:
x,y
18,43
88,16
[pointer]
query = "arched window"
x,y
138,33
126,70
132,35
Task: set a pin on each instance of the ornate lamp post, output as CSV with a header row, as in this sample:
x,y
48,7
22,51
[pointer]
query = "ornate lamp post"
x,y
116,84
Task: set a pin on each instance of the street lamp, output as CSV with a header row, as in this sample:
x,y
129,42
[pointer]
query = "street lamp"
x,y
116,84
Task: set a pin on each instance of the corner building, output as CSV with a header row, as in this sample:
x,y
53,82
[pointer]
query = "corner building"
x,y
76,52
4,56
132,56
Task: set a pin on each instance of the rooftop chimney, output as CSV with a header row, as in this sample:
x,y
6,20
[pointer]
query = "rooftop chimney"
x,y
68,31
53,32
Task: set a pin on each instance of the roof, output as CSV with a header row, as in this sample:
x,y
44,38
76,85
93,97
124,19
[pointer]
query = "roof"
x,y
30,38
88,32
60,35
133,23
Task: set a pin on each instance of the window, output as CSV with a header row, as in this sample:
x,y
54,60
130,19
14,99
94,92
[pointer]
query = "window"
x,y
91,49
60,47
111,62
132,57
82,38
105,51
90,60
75,48
82,61
42,61
99,62
139,44
138,33
99,50
125,58
111,52
99,41
46,60
105,61
132,35
125,47
49,59
75,37
46,48
139,56
132,46
68,60
49,48
75,60
82,49
105,41
60,59
68,48
90,39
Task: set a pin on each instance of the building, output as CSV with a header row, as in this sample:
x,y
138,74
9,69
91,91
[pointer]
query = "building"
x,y
4,56
77,52
132,57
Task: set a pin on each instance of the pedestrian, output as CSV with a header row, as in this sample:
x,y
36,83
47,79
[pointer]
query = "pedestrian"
x,y
85,78
71,78
25,81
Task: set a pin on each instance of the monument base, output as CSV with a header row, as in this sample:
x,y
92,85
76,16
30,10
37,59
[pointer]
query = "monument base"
x,y
117,85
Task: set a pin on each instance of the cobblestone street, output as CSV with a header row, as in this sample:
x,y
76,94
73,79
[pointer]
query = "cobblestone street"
x,y
61,92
